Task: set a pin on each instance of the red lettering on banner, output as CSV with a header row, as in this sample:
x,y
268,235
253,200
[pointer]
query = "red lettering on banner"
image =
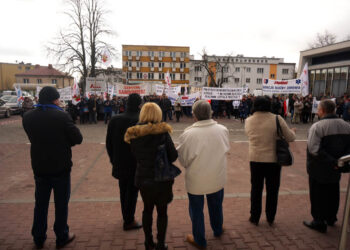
x,y
281,82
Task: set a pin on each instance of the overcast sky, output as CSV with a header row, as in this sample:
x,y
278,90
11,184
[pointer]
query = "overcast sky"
x,y
277,28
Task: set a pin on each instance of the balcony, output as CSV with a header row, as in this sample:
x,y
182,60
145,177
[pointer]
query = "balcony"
x,y
137,58
152,58
182,59
152,69
182,70
174,59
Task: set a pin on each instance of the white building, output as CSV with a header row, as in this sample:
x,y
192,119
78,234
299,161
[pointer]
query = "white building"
x,y
238,71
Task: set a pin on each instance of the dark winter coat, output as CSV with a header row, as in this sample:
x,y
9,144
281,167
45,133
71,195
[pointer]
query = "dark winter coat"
x,y
328,140
120,155
165,104
52,134
144,140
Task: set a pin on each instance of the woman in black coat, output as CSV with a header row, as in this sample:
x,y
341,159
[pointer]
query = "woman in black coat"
x,y
144,140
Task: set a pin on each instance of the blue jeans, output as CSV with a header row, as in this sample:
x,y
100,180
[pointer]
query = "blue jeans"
x,y
196,205
61,188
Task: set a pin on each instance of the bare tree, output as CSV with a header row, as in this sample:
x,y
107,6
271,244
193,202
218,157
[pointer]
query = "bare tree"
x,y
78,48
323,40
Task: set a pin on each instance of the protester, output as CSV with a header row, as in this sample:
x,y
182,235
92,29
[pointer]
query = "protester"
x,y
205,174
83,110
243,110
115,106
92,106
107,109
52,134
73,111
215,108
100,108
123,161
306,111
27,105
144,140
328,140
165,105
177,108
261,130
346,111
298,107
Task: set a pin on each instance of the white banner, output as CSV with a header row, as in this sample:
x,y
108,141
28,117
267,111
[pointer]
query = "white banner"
x,y
125,90
304,77
187,100
65,94
281,86
164,88
223,93
94,84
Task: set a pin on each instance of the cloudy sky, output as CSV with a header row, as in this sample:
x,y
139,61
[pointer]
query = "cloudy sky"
x,y
277,28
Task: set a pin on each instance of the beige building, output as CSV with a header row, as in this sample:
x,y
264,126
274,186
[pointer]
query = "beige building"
x,y
43,76
8,73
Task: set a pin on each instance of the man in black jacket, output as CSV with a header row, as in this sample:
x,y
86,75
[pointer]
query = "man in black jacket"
x,y
328,140
123,161
52,134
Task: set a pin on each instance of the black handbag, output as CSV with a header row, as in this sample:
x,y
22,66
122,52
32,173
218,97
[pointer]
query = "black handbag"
x,y
163,169
284,155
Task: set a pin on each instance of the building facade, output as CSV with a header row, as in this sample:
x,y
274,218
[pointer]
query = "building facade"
x,y
8,73
329,69
149,64
43,76
111,75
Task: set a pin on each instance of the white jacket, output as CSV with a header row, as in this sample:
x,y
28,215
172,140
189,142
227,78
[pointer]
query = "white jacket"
x,y
202,151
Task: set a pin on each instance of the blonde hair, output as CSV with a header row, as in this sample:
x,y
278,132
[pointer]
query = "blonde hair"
x,y
150,112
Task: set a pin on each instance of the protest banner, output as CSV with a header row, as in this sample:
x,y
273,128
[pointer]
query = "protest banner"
x,y
160,89
223,93
187,100
281,86
65,94
94,84
125,90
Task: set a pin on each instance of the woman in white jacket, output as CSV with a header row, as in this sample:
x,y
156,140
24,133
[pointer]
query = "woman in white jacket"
x,y
202,151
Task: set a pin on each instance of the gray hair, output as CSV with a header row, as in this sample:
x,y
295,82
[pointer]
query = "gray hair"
x,y
202,110
328,106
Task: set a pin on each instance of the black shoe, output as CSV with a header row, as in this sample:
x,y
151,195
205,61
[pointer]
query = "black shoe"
x,y
39,245
331,222
255,222
71,237
150,245
131,226
161,246
320,227
270,222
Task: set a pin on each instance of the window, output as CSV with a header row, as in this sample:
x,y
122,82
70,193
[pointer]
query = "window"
x,y
247,69
128,53
197,68
182,76
150,75
236,80
249,60
150,53
257,60
54,81
225,79
245,60
151,64
253,61
25,80
128,75
161,76
138,64
284,71
266,61
39,81
139,75
138,53
19,67
128,64
182,65
236,60
247,80
198,79
161,53
237,69
260,70
272,76
173,65
172,76
183,54
225,69
172,54
161,65
259,81
27,68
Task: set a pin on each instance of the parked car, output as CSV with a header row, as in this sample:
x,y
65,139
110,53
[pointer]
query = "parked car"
x,y
11,103
4,110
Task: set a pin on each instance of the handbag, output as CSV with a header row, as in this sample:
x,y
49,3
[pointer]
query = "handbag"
x,y
164,170
284,155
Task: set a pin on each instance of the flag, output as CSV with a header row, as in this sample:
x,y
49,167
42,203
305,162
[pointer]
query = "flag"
x,y
168,79
304,77
19,95
76,93
186,92
106,57
38,88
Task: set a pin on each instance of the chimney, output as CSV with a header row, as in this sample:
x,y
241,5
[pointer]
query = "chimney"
x,y
50,66
37,66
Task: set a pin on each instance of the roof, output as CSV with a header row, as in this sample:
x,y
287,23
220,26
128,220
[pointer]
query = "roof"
x,y
330,46
44,71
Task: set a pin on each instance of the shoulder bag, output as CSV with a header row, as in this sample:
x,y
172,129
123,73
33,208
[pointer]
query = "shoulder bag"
x,y
284,155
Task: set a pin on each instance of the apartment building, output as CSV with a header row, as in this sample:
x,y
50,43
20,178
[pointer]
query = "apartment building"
x,y
238,71
8,73
149,64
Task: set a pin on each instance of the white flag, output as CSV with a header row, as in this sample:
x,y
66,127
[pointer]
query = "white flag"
x,y
168,79
19,95
304,77
106,57
75,93
185,93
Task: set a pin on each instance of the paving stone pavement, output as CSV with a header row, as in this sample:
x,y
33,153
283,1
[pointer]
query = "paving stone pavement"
x,y
94,210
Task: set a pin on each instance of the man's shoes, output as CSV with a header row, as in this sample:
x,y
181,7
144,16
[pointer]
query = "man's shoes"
x,y
149,245
39,245
331,222
320,227
131,226
222,232
190,239
160,246
255,222
71,237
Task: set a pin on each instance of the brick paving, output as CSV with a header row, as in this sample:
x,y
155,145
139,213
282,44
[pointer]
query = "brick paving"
x,y
95,215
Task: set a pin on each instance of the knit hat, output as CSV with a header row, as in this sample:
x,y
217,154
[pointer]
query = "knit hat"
x,y
133,102
48,94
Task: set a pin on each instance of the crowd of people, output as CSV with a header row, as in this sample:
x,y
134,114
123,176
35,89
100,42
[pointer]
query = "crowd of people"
x,y
136,139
